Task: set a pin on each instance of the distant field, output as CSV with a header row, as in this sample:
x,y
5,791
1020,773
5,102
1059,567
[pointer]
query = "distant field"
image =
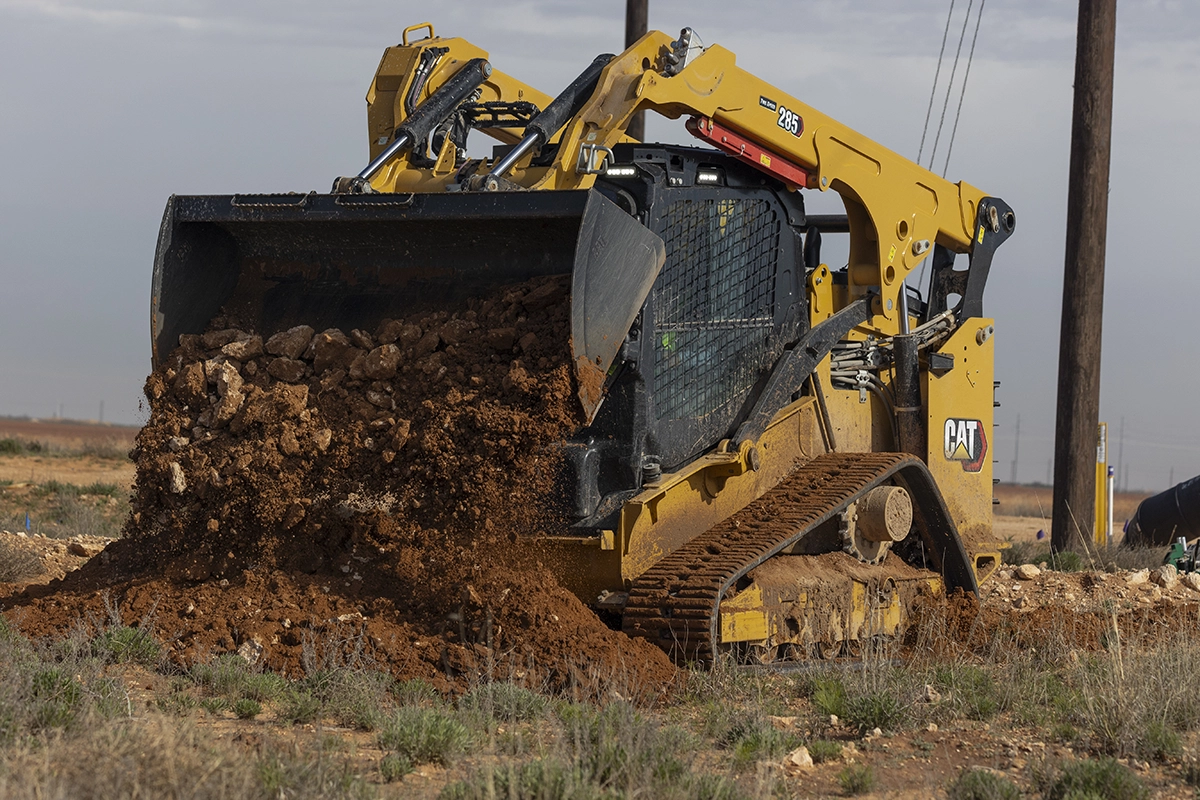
x,y
1018,500
68,435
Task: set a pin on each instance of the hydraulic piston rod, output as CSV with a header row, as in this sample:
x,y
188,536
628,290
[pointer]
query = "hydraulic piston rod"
x,y
555,115
427,116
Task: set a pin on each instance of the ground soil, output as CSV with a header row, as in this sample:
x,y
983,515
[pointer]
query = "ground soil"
x,y
380,490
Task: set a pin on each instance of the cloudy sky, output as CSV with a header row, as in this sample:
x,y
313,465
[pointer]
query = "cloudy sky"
x,y
107,108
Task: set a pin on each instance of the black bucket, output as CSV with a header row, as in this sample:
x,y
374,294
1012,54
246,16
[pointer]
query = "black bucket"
x,y
1163,518
348,261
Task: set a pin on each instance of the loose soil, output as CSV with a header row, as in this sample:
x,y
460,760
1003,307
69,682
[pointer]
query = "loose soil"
x,y
378,491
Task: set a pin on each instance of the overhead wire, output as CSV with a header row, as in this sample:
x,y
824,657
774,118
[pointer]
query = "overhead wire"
x,y
962,36
949,90
936,74
963,93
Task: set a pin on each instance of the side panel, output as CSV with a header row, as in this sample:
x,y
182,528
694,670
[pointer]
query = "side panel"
x,y
960,430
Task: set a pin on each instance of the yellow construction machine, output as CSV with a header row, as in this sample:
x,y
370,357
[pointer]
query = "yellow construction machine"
x,y
779,455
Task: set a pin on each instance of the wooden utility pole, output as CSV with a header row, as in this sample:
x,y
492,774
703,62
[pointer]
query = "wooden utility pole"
x,y
637,23
1083,277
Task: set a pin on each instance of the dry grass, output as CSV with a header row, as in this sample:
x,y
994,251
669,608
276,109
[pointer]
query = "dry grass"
x,y
18,564
62,510
70,728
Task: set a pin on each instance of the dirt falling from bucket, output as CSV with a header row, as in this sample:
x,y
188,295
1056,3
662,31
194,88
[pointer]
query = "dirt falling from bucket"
x,y
382,492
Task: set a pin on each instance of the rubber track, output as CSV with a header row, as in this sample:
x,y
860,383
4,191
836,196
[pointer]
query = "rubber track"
x,y
674,603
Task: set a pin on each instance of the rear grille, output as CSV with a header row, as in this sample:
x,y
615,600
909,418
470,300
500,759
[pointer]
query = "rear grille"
x,y
714,304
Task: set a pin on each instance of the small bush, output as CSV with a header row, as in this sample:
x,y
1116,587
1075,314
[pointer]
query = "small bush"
x,y
829,696
979,784
505,701
177,703
214,705
762,743
124,645
352,697
1160,742
562,779
246,708
301,775
823,750
298,707
18,564
425,735
263,686
856,779
415,692
393,767
1068,561
12,447
56,696
974,691
880,710
1102,779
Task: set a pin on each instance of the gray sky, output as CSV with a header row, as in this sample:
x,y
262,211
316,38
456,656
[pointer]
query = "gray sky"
x,y
107,108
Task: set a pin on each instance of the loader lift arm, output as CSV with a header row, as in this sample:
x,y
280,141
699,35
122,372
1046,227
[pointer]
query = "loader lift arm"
x,y
897,210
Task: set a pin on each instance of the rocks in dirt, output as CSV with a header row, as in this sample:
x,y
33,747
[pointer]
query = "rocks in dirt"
x,y
178,484
286,369
798,760
930,694
216,339
329,348
1137,578
291,343
251,651
243,349
1165,576
380,364
1027,572
1191,580
79,548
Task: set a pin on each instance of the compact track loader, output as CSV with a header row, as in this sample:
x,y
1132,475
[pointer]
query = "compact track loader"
x,y
779,456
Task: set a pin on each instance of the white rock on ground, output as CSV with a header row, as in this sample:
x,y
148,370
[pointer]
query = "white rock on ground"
x,y
1027,572
1138,578
1165,576
1191,580
798,759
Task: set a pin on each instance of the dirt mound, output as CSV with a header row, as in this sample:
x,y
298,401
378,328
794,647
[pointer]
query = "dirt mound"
x,y
374,488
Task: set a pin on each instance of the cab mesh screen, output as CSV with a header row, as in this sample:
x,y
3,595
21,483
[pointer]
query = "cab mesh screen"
x,y
713,303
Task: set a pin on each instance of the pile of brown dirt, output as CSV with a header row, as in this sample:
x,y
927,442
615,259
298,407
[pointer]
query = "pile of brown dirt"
x,y
382,488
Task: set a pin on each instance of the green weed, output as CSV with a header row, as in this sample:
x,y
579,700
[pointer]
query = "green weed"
x,y
856,779
823,750
1102,779
425,735
979,784
881,710
123,644
245,708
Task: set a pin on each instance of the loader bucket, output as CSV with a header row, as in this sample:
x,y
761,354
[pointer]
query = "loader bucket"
x,y
349,261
